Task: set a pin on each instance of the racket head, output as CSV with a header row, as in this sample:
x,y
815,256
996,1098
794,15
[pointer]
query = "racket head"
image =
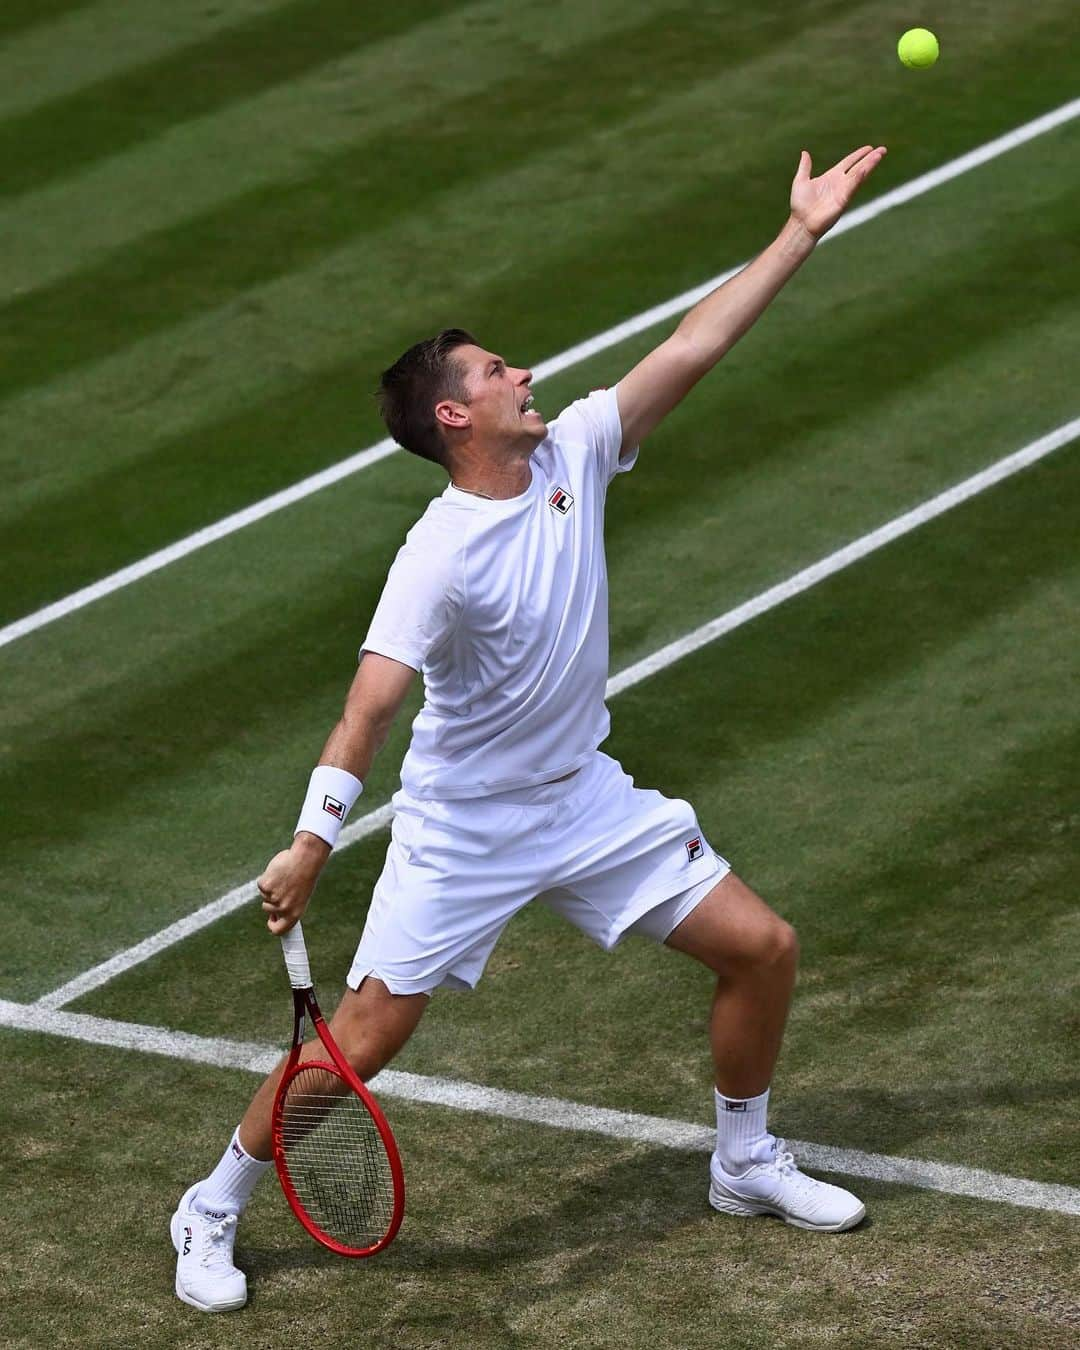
x,y
335,1155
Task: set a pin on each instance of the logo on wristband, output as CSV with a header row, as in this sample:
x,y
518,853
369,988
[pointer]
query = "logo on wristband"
x,y
334,807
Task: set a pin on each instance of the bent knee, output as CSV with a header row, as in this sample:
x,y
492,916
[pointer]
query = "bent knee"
x,y
767,946
783,944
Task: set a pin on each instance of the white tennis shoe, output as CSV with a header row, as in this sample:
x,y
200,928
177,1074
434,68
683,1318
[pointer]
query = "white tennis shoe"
x,y
205,1275
772,1184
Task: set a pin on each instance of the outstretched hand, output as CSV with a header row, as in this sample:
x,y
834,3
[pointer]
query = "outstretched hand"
x,y
818,203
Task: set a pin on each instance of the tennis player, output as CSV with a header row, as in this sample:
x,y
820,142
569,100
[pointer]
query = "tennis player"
x,y
498,597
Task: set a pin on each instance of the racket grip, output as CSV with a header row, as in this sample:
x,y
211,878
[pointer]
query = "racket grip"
x,y
296,957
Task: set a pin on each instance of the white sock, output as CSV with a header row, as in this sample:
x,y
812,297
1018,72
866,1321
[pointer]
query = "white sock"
x,y
230,1184
740,1124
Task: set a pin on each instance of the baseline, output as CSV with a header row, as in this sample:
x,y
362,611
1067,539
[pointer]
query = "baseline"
x,y
554,1112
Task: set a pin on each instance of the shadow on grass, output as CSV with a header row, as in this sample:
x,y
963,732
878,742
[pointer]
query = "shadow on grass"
x,y
600,1221
897,1121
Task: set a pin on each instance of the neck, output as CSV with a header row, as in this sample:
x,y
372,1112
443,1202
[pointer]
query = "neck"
x,y
500,482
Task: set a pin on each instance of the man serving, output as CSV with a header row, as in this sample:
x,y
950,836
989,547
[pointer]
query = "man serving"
x,y
499,599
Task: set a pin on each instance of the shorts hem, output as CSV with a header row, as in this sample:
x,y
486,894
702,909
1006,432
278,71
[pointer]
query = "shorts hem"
x,y
615,934
358,974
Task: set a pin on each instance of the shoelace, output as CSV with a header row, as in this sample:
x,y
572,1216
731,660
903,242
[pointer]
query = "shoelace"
x,y
784,1165
214,1235
222,1227
783,1158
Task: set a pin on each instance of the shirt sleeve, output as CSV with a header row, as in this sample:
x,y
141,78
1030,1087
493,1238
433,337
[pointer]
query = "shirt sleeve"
x,y
422,599
595,420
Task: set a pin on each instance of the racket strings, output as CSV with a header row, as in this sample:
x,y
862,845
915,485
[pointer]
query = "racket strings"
x,y
336,1159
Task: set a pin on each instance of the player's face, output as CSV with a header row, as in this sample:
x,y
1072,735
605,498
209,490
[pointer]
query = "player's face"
x,y
500,400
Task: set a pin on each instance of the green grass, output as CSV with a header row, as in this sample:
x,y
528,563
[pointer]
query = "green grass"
x,y
516,1237
220,224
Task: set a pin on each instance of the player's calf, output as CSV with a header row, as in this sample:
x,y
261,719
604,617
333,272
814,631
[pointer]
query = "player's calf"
x,y
371,1025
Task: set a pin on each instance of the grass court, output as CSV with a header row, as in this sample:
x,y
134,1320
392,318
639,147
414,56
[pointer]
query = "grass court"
x,y
219,223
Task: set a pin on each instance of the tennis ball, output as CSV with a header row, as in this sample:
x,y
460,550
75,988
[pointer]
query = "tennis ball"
x,y
918,48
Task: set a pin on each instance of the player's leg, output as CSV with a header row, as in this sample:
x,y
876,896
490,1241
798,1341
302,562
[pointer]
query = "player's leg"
x,y
370,1026
637,862
754,954
452,879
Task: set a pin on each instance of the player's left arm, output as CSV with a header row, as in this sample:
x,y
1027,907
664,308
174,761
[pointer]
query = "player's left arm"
x,y
656,384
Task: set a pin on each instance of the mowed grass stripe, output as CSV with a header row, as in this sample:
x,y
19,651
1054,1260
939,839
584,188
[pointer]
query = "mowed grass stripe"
x,y
167,380
20,15
58,46
202,261
547,1111
263,139
810,576
274,236
334,392
270,338
264,49
276,136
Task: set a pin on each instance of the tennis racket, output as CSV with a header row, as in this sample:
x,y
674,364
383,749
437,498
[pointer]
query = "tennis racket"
x,y
335,1155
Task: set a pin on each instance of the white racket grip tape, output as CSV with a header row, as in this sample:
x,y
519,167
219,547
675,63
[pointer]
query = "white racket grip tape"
x,y
296,958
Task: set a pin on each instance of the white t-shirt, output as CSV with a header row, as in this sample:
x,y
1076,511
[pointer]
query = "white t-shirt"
x,y
503,607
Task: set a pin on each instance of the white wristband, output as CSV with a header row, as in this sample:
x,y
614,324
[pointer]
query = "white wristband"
x,y
330,795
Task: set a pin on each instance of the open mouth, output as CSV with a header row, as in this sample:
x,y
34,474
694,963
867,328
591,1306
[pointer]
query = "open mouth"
x,y
527,406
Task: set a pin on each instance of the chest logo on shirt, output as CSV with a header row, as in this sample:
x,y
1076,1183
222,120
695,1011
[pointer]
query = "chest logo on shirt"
x,y
560,501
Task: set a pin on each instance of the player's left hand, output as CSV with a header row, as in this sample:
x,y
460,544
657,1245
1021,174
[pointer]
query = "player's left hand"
x,y
818,203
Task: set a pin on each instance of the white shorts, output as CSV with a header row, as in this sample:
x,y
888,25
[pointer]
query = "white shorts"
x,y
609,857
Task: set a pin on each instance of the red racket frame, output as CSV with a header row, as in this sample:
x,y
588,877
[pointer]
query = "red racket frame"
x,y
304,1003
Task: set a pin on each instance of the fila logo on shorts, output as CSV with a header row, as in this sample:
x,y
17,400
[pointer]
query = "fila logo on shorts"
x,y
694,849
333,806
560,501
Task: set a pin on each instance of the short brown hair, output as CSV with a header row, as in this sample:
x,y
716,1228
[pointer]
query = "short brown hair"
x,y
411,387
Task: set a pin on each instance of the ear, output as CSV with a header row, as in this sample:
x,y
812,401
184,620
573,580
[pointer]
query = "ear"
x,y
451,414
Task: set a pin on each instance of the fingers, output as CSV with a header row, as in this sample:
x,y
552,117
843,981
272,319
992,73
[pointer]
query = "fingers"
x,y
281,915
802,173
849,161
274,888
864,166
867,165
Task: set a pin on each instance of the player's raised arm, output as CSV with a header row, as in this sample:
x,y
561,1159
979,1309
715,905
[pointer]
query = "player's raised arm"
x,y
377,693
649,392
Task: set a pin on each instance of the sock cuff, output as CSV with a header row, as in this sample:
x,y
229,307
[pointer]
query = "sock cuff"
x,y
241,1155
740,1105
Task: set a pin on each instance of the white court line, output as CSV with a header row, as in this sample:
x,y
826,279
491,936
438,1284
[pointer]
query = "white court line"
x,y
626,679
183,928
154,562
549,1111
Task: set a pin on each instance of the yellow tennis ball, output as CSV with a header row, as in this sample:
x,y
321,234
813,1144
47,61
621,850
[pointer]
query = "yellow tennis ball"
x,y
918,48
